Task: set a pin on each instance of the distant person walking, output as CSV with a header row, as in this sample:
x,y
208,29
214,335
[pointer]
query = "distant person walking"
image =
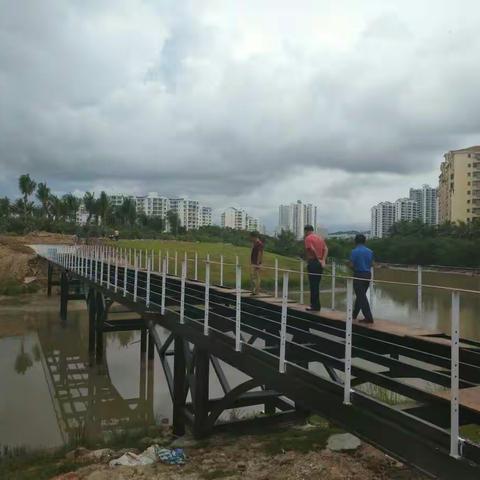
x,y
316,252
256,259
361,261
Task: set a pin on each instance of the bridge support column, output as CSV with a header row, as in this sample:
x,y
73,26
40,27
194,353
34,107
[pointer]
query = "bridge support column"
x,y
151,347
200,400
49,279
64,287
179,387
99,322
143,342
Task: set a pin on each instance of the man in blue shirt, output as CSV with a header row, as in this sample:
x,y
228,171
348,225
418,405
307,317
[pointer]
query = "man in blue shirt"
x,y
361,261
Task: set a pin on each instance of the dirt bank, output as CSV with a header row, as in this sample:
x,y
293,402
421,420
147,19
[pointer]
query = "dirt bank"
x,y
18,263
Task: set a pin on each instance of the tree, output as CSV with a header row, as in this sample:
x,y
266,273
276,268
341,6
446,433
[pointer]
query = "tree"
x,y
57,207
71,205
4,207
173,221
103,207
287,244
128,212
27,187
90,205
43,195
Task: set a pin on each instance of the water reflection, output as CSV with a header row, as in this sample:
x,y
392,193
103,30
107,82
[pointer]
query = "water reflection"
x,y
54,397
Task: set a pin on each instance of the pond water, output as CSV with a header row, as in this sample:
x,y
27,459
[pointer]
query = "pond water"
x,y
50,394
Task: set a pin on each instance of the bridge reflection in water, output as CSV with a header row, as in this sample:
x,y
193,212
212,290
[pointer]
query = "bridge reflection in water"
x,y
87,404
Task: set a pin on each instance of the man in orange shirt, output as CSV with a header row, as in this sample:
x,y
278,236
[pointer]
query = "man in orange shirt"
x,y
316,252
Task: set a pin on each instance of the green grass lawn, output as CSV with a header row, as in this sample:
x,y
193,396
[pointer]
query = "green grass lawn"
x,y
215,250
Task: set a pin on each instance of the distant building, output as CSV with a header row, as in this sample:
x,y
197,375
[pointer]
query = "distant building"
x,y
239,220
406,210
382,219
295,216
459,186
82,214
427,201
190,213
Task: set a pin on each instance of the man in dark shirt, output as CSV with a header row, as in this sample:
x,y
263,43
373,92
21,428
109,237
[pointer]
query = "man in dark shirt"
x,y
256,259
361,261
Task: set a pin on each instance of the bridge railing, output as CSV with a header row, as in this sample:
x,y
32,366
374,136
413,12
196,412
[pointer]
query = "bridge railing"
x,y
101,264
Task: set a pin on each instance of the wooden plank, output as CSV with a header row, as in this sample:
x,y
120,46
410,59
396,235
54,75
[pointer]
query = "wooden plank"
x,y
469,397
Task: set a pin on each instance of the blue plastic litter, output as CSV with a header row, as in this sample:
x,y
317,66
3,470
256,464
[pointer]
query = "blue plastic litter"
x,y
175,456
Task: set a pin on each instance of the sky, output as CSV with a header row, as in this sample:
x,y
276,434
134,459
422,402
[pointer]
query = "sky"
x,y
249,104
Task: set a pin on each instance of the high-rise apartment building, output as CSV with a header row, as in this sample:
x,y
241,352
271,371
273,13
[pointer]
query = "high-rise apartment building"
x,y
382,219
427,200
295,216
406,210
459,186
205,217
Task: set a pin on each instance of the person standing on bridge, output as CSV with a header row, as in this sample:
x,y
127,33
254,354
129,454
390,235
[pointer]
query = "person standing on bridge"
x,y
361,261
256,259
316,252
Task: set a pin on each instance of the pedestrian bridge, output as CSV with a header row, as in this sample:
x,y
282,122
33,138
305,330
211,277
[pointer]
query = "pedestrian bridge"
x,y
408,391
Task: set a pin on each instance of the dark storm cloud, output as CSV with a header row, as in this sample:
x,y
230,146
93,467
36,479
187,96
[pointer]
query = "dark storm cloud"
x,y
178,97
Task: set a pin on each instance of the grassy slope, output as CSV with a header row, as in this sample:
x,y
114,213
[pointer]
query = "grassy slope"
x,y
229,253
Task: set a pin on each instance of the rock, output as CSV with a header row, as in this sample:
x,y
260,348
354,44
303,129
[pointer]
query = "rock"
x,y
183,442
101,455
79,452
341,442
286,458
28,280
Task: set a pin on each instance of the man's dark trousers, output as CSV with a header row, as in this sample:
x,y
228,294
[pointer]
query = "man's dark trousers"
x,y
314,267
361,300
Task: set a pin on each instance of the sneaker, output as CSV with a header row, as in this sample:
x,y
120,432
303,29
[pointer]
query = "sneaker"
x,y
310,309
365,321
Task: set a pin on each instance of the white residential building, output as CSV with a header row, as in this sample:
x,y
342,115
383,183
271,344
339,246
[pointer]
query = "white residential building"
x,y
427,200
205,217
239,220
190,213
295,216
82,214
382,219
406,210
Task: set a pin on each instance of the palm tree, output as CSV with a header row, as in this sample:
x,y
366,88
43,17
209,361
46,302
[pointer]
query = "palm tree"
x,y
90,205
103,207
27,187
128,211
71,204
43,195
57,207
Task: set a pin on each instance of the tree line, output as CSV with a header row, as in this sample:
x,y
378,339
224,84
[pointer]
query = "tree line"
x,y
38,208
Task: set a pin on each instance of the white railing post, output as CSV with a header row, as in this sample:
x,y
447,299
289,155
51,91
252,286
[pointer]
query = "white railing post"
x,y
302,293
207,297
147,295
454,377
372,287
334,280
419,287
238,313
168,261
159,260
135,280
108,271
283,325
348,343
164,284
116,272
185,260
182,292
276,278
125,277
101,269
140,259
176,264
196,267
221,270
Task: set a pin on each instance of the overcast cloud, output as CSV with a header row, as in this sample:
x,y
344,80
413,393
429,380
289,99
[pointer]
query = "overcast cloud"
x,y
249,104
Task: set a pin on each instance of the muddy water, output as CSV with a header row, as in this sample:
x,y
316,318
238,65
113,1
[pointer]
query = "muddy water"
x,y
50,395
